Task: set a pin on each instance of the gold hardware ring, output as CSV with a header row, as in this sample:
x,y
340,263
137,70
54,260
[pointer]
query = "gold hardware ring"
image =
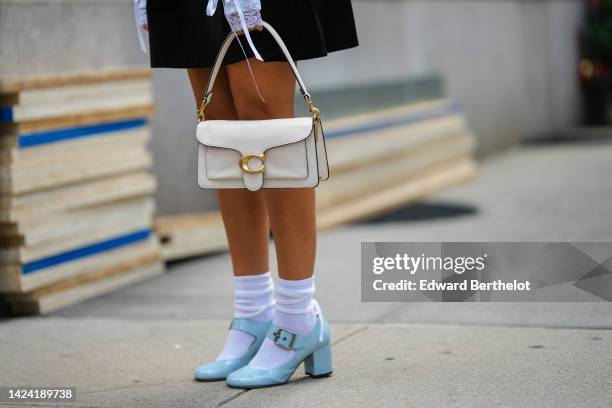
x,y
201,110
244,163
316,113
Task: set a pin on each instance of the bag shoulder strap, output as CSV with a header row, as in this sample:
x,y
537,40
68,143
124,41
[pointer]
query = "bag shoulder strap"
x,y
219,60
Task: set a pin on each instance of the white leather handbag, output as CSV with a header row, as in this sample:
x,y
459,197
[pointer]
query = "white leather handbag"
x,y
254,154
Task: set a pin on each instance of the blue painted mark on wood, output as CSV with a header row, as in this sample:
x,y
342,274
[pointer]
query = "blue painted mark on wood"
x,y
452,109
85,251
40,138
6,114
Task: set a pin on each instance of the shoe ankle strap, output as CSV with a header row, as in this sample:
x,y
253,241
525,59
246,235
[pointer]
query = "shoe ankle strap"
x,y
253,327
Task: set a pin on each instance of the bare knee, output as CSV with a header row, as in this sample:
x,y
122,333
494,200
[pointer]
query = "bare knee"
x,y
275,82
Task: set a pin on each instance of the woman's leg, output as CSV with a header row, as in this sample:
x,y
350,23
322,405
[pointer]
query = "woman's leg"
x,y
244,212
247,229
291,211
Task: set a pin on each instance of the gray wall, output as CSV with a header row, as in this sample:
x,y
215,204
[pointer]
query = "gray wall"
x,y
510,62
39,36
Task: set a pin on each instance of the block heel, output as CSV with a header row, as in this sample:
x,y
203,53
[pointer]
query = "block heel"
x,y
319,363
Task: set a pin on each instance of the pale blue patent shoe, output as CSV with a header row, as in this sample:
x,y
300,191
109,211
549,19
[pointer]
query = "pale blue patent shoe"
x,y
219,370
314,349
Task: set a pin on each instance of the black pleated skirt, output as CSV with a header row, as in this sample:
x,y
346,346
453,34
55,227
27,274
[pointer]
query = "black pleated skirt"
x,y
181,35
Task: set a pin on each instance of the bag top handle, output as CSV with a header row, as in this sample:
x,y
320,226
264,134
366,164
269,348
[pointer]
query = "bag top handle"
x,y
221,56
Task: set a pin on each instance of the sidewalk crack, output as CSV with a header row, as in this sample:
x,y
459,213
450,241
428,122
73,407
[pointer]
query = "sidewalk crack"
x,y
230,399
351,334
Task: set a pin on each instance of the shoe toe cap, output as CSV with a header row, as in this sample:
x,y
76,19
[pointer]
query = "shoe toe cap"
x,y
214,371
243,378
248,377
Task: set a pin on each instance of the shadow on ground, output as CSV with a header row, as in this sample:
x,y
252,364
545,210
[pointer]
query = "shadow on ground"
x,y
422,212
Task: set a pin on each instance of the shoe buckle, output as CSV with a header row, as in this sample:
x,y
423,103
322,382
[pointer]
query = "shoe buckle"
x,y
284,338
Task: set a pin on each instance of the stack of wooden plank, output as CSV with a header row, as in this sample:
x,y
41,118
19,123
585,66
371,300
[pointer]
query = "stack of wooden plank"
x,y
76,206
383,160
379,161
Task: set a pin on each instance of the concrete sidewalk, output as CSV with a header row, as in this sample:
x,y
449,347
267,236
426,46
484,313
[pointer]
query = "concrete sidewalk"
x,y
149,363
137,347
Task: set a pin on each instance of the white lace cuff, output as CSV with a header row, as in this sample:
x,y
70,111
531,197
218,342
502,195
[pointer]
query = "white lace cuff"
x,y
251,17
140,16
241,15
140,12
250,10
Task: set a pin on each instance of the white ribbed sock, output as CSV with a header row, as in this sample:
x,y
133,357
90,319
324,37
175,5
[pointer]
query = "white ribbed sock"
x,y
295,312
252,300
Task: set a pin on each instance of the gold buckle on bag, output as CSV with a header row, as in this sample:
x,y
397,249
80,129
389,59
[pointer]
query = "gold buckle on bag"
x,y
316,113
201,116
244,163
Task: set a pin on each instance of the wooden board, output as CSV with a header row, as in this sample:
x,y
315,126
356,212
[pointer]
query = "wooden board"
x,y
59,227
48,302
93,165
114,146
71,147
25,254
12,278
19,84
28,207
182,236
421,111
444,176
363,150
11,129
9,99
369,180
116,269
81,92
51,103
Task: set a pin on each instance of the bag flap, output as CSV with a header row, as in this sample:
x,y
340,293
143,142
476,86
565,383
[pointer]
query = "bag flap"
x,y
253,136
